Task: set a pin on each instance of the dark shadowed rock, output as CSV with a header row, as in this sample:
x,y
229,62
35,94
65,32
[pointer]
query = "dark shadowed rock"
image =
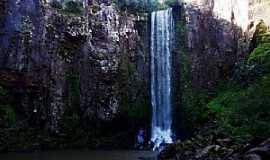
x,y
169,153
262,151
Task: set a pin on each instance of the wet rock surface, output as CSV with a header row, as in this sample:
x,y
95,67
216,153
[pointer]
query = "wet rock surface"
x,y
195,149
208,147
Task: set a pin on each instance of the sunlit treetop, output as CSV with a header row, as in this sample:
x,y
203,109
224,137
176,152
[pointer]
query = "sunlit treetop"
x,y
144,5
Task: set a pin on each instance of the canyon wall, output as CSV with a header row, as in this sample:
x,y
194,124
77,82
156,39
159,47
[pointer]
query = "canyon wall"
x,y
89,66
57,66
218,36
213,39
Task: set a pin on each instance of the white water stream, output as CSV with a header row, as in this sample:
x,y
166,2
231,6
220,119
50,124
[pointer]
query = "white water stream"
x,y
161,42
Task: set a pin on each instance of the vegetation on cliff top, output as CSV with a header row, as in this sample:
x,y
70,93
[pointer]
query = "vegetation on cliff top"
x,y
137,6
75,7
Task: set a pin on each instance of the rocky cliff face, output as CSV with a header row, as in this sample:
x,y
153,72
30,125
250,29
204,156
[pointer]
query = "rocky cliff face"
x,y
56,64
213,38
90,65
218,35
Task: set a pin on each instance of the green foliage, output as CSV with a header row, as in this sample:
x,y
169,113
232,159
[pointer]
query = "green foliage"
x,y
3,92
73,83
171,2
74,7
261,54
134,108
261,36
193,102
71,124
261,41
258,62
242,107
155,5
68,6
137,6
134,111
247,73
95,8
194,107
7,112
133,6
7,115
56,5
244,111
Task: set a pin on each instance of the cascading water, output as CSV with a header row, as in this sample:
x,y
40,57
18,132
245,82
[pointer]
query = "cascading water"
x,y
161,42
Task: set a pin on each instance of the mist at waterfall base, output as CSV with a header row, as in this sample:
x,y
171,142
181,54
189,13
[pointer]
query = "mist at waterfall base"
x,y
161,42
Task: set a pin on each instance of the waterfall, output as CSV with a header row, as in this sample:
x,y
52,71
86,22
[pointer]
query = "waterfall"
x,y
161,42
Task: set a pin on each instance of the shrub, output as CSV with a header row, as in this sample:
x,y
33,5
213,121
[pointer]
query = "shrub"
x,y
136,6
171,2
74,7
7,115
258,62
3,92
243,106
56,4
261,55
73,92
261,40
247,73
261,35
134,111
244,111
95,8
71,123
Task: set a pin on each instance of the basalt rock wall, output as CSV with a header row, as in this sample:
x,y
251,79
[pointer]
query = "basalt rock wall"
x,y
218,36
58,66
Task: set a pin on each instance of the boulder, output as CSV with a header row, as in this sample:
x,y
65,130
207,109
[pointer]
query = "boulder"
x,y
261,152
169,153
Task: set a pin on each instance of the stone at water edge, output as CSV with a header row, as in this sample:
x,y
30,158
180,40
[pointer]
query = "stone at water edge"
x,y
169,153
262,151
253,157
206,150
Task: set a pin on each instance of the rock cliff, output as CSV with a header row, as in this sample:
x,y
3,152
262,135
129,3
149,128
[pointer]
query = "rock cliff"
x,y
58,63
86,64
218,36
